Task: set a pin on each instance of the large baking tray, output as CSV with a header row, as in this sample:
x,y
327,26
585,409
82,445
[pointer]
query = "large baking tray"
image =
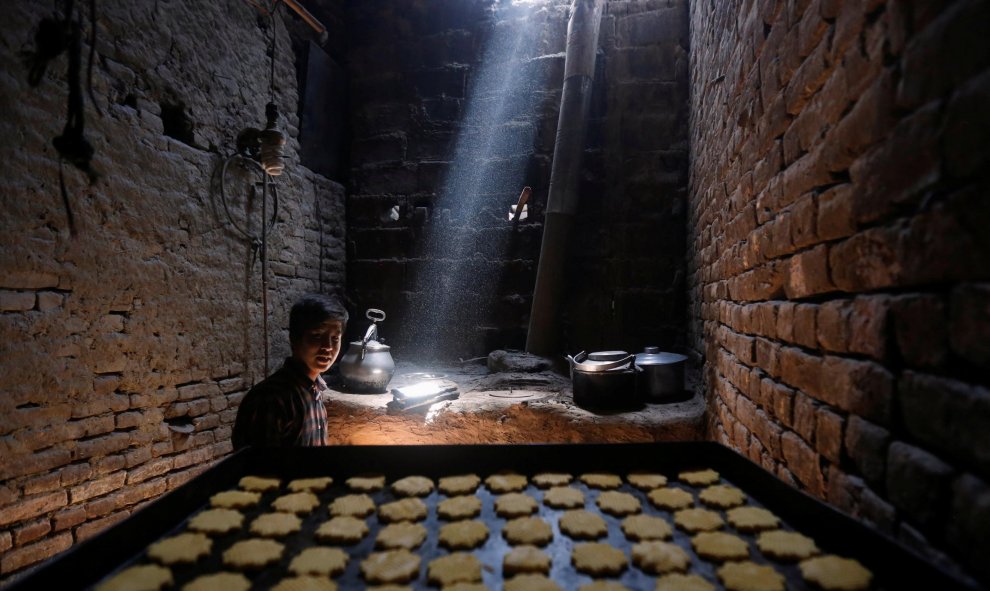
x,y
894,566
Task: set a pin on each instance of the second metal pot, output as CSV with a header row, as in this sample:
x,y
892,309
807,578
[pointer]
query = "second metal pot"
x,y
661,376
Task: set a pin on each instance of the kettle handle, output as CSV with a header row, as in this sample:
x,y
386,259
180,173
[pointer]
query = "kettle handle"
x,y
375,315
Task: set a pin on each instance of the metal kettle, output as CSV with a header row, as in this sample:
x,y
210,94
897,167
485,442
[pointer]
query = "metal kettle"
x,y
367,365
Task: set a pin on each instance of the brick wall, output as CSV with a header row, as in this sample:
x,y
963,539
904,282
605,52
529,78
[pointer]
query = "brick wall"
x,y
458,280
153,311
837,218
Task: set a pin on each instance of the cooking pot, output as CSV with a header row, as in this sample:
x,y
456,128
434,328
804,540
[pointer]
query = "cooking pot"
x,y
661,376
367,365
604,380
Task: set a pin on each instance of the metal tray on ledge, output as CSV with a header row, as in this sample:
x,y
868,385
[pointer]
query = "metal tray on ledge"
x,y
124,544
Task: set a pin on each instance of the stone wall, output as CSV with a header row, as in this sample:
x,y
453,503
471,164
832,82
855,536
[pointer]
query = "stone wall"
x,y
152,313
837,217
435,136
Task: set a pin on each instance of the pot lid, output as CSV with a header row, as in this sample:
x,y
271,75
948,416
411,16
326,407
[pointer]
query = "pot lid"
x,y
654,356
607,355
371,345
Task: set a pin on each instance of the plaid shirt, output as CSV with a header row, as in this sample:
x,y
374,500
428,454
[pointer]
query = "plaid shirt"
x,y
285,409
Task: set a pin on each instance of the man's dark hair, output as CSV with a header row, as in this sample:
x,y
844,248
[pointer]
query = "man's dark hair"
x,y
311,311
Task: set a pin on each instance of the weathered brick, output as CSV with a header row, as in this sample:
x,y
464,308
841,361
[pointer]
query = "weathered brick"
x,y
833,325
16,301
6,541
828,434
30,532
149,469
19,558
785,322
805,331
191,391
949,415
918,483
835,213
808,273
802,461
969,323
137,456
33,507
874,510
802,371
40,484
969,521
767,356
844,490
95,488
866,445
863,388
805,411
69,517
867,261
920,329
869,326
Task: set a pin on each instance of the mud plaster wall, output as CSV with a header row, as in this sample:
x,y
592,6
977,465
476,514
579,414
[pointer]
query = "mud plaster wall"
x,y
153,311
838,220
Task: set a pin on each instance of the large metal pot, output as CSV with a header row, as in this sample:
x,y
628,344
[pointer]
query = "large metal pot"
x,y
367,365
661,376
604,380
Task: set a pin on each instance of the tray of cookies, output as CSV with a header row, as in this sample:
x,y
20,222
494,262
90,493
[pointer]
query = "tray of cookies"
x,y
665,516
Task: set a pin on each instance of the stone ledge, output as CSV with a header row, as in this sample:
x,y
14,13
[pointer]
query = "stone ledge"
x,y
504,408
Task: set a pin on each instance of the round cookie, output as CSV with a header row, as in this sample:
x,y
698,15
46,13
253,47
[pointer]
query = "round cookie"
x,y
463,535
618,503
597,559
235,499
412,486
646,527
583,525
749,576
751,519
646,480
390,566
352,505
515,505
298,503
699,477
530,583
459,567
505,482
525,559
696,520
319,560
275,525
720,546
401,535
722,496
319,484
563,497
252,553
786,545
259,484
183,548
656,557
670,499
679,582
408,509
459,485
834,573
551,479
456,508
528,530
216,521
342,530
366,482
146,577
602,480
212,582
305,583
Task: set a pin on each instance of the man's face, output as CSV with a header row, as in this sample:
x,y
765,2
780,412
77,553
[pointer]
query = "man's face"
x,y
318,347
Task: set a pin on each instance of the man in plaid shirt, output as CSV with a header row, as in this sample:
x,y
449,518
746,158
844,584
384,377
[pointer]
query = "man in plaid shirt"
x,y
286,409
